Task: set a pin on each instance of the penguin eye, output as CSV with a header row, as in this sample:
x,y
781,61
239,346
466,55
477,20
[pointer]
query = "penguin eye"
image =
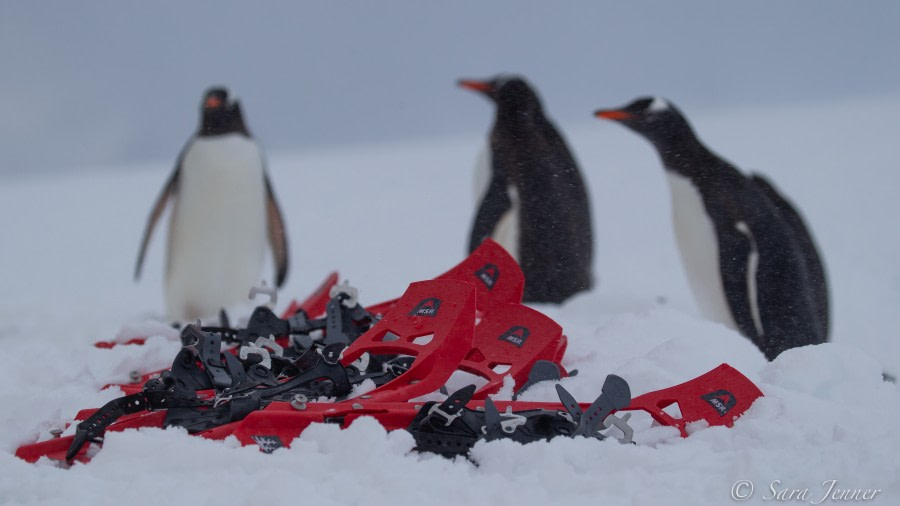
x,y
212,102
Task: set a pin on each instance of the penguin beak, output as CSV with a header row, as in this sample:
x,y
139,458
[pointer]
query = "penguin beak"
x,y
613,114
481,86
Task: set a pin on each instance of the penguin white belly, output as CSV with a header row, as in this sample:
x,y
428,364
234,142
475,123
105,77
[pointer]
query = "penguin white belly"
x,y
483,172
506,231
698,244
217,237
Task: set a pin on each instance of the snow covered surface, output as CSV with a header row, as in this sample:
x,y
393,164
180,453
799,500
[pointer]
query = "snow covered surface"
x,y
387,215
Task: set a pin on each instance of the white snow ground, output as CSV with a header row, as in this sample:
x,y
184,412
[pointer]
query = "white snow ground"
x,y
387,215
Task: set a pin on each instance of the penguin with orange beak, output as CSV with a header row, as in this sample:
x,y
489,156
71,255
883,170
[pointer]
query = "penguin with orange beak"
x,y
532,199
750,259
224,213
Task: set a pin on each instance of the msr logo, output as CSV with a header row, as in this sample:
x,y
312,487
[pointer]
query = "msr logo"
x,y
516,335
428,307
268,444
721,400
489,274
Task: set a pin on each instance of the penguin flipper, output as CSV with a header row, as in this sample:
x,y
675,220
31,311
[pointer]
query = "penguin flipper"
x,y
807,245
277,234
735,250
168,191
494,205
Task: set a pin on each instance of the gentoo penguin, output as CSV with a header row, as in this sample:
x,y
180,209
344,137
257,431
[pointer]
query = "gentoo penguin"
x,y
224,209
750,259
533,201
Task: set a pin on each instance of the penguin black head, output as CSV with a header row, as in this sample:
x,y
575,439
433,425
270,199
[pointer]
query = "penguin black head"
x,y
509,92
655,118
219,115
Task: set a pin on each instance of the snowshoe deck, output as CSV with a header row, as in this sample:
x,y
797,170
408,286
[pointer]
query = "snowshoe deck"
x,y
718,397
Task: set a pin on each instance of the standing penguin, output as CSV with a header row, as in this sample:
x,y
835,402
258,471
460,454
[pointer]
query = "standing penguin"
x,y
750,260
224,209
535,203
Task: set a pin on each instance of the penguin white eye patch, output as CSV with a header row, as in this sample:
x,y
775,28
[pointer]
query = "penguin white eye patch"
x,y
658,104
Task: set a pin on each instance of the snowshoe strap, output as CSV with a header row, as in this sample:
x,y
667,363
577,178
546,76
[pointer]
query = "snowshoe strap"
x,y
542,370
263,323
207,347
340,321
493,428
188,377
92,428
239,377
196,420
452,407
569,402
615,395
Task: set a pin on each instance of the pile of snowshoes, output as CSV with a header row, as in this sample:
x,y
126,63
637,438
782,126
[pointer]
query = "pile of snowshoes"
x,y
331,360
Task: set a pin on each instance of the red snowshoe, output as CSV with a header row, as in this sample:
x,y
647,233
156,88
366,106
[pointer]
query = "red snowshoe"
x,y
378,361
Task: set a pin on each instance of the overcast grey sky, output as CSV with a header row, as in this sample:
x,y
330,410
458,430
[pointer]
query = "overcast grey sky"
x,y
94,83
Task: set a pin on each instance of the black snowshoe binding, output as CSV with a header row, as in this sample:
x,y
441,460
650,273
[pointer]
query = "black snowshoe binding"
x,y
449,428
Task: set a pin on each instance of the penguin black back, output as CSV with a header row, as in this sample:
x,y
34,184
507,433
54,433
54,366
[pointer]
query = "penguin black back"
x,y
534,174
771,273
